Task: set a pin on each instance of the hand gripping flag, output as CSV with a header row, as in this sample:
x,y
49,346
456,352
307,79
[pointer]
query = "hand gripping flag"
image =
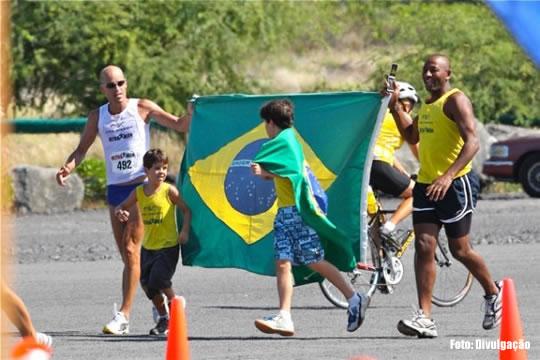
x,y
233,210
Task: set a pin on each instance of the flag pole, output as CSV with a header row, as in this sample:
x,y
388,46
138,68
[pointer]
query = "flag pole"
x,y
364,244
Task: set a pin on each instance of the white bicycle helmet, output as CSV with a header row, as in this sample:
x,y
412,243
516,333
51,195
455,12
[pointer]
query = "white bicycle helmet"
x,y
407,91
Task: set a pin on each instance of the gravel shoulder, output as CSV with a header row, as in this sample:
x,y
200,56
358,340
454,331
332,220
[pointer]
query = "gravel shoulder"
x,y
86,235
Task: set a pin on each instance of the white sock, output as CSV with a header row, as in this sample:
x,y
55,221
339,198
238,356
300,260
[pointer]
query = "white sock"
x,y
389,226
353,300
285,315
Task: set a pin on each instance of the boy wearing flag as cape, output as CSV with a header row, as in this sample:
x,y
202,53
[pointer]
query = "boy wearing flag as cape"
x,y
295,240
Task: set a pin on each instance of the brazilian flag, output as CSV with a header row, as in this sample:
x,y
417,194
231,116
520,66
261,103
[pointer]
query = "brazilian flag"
x,y
233,210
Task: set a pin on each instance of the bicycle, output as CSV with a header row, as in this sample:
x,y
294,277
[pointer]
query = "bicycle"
x,y
383,269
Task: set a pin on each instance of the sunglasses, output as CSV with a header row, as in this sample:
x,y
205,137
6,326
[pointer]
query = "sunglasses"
x,y
112,85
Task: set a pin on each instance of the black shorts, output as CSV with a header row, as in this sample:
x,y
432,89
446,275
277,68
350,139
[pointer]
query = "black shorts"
x,y
157,269
454,210
388,179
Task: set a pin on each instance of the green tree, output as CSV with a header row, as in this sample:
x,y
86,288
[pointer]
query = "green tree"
x,y
487,64
169,50
173,49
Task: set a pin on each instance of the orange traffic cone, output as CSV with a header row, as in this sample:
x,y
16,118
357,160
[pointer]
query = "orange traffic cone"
x,y
512,343
29,349
177,342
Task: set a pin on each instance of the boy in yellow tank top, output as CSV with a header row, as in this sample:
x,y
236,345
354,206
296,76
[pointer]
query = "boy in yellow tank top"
x,y
157,202
446,190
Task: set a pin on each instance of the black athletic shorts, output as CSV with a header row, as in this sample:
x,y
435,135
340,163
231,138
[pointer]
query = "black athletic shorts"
x,y
388,179
454,211
157,269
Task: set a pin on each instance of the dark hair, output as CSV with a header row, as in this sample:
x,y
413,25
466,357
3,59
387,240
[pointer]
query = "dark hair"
x,y
281,112
154,156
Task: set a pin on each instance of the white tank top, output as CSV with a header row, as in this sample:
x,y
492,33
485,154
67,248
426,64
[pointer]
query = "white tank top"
x,y
125,138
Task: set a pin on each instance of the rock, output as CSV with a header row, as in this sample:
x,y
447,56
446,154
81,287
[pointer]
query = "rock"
x,y
486,139
503,132
36,191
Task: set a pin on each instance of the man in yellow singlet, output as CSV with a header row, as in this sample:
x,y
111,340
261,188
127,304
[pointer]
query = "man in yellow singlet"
x,y
446,190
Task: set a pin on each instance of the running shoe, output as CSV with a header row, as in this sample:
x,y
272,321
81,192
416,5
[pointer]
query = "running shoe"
x,y
44,339
161,328
275,325
493,308
119,325
357,313
419,325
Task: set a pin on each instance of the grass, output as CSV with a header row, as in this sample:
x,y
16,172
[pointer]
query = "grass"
x,y
500,187
51,150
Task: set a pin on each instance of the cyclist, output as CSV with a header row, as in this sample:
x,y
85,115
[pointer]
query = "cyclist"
x,y
387,174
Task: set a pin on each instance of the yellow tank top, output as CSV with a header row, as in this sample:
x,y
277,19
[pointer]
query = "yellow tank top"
x,y
388,140
284,192
158,214
440,141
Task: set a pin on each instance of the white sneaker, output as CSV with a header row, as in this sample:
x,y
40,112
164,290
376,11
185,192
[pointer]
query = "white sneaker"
x,y
275,325
119,325
493,308
44,339
419,326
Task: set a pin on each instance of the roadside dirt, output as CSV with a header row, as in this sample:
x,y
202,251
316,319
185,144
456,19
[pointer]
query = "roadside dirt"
x,y
86,235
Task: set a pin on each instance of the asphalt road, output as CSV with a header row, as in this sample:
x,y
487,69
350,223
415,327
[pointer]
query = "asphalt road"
x,y
72,298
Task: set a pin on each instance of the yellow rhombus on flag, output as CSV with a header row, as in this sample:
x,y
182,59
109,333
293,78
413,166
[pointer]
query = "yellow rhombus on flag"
x,y
208,178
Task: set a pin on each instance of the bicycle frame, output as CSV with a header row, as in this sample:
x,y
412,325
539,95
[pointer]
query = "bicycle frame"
x,y
386,270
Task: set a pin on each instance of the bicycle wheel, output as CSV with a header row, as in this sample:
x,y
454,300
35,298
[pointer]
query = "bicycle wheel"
x,y
453,279
364,278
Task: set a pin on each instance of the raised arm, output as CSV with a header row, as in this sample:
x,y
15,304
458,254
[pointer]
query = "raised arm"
x,y
122,210
150,110
407,126
458,107
88,137
176,199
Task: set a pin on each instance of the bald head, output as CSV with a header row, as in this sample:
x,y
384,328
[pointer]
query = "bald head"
x,y
110,72
436,74
442,60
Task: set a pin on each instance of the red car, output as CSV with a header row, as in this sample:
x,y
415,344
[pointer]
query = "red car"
x,y
517,160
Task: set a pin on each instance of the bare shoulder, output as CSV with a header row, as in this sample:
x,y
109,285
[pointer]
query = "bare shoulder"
x,y
457,105
146,104
146,107
173,190
458,99
93,118
174,194
93,115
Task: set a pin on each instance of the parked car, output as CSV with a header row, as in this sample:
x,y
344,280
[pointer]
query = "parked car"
x,y
516,160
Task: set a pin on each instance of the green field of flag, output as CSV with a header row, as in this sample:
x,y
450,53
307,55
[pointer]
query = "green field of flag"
x,y
233,210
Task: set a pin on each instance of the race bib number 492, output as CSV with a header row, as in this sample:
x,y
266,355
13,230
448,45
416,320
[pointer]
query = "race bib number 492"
x,y
124,162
